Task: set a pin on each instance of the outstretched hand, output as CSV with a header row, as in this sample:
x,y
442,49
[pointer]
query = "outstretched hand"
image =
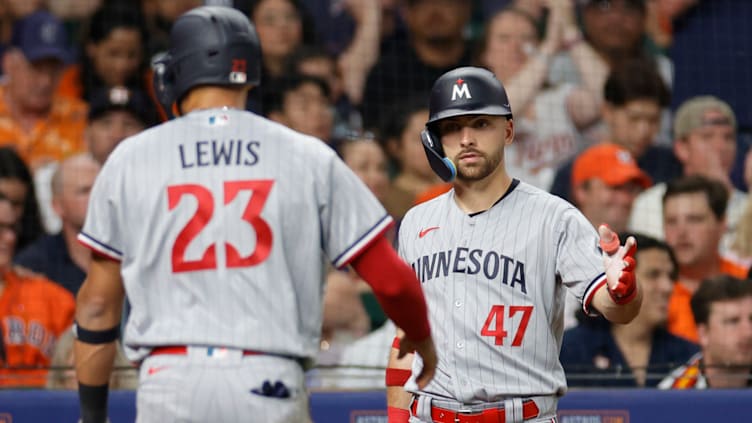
x,y
620,264
427,352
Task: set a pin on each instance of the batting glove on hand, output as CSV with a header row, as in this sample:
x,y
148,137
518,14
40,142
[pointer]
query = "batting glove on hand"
x,y
620,264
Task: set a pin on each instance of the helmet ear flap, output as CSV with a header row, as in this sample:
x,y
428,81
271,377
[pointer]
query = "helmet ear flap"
x,y
440,164
164,82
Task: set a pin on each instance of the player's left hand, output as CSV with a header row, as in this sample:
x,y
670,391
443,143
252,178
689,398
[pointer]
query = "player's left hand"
x,y
620,264
427,352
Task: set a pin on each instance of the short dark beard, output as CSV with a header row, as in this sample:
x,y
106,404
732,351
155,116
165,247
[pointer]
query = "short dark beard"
x,y
487,167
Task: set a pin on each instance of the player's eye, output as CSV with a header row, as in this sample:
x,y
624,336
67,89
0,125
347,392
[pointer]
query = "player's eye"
x,y
481,123
448,127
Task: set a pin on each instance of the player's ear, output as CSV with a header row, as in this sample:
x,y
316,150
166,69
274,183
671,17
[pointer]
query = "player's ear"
x,y
509,131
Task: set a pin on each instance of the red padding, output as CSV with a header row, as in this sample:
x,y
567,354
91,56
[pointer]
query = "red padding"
x,y
396,287
397,377
397,415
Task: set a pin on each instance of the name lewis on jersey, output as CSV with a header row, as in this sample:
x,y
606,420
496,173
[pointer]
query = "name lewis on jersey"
x,y
492,265
217,153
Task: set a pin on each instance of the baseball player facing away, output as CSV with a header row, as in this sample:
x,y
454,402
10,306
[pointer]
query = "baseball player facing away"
x,y
494,256
213,223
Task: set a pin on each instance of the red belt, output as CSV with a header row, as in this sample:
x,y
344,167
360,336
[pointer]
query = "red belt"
x,y
183,350
492,415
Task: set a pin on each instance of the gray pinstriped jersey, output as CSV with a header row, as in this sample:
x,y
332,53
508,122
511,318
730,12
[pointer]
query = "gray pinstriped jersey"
x,y
495,285
219,219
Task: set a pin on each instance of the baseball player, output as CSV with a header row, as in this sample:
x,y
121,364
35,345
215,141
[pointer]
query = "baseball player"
x,y
213,223
494,256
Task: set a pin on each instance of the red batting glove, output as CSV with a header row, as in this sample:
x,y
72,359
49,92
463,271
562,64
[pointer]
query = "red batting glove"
x,y
616,255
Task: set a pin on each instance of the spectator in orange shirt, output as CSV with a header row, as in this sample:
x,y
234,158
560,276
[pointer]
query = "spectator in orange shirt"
x,y
694,209
113,54
34,312
41,126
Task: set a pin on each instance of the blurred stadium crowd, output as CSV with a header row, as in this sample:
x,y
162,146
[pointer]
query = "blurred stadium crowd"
x,y
636,111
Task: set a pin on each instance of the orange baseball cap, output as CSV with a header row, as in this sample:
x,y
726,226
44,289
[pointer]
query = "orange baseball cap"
x,y
610,163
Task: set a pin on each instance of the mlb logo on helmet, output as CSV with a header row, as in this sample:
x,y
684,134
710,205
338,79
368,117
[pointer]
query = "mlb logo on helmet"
x,y
461,90
238,73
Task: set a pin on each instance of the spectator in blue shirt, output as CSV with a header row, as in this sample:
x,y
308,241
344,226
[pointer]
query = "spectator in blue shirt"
x,y
638,354
60,257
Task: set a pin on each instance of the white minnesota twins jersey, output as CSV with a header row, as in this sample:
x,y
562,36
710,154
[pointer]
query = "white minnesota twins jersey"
x,y
495,285
219,219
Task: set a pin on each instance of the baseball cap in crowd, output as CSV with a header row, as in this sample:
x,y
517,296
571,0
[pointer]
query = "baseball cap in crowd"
x,y
609,163
691,115
105,99
41,35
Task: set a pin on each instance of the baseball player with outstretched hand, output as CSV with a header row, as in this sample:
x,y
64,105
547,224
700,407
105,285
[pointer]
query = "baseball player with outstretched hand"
x,y
213,223
495,257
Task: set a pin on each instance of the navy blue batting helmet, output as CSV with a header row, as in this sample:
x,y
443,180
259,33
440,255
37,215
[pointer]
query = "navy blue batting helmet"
x,y
209,45
462,91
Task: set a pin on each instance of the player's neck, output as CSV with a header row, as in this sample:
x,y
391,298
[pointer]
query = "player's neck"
x,y
214,97
478,196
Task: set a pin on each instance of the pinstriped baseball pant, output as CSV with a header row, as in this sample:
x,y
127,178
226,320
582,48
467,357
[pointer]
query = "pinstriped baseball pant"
x,y
185,389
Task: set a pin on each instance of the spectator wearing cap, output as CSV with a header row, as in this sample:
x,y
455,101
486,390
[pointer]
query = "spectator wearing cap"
x,y
114,114
605,182
711,55
705,144
60,257
40,125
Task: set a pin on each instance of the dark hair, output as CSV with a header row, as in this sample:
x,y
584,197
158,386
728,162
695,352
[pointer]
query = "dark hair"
x,y
13,167
635,4
482,41
309,36
645,242
400,114
274,95
107,18
714,191
636,79
717,289
307,52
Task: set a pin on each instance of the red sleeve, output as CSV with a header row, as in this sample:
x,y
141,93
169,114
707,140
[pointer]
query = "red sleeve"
x,y
395,286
